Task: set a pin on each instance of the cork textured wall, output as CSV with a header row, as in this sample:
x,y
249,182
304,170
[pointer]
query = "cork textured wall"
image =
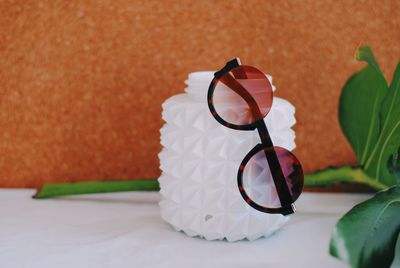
x,y
82,82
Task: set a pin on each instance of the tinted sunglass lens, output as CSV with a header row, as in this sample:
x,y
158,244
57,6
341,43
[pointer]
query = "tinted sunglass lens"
x,y
259,184
242,96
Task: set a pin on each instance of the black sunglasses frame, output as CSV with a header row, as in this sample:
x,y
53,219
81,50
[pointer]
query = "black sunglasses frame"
x,y
285,198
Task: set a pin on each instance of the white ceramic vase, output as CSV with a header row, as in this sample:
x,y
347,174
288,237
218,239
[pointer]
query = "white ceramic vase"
x,y
199,163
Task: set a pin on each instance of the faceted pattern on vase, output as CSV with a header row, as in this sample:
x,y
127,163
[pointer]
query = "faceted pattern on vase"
x,y
199,163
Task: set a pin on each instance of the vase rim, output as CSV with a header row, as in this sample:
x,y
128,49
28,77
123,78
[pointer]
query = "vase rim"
x,y
201,75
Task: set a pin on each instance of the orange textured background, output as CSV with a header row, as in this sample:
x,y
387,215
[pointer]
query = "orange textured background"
x,y
82,82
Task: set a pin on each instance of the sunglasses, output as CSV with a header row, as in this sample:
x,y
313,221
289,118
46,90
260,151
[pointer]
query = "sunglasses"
x,y
239,97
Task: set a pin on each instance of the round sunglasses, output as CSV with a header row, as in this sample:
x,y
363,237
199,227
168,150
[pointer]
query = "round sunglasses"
x,y
239,97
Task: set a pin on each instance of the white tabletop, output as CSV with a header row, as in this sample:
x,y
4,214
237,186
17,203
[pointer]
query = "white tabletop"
x,y
126,230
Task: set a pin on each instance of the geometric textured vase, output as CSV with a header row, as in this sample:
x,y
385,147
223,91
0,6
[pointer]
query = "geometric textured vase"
x,y
199,163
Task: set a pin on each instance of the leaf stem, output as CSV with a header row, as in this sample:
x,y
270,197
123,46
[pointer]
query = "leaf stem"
x,y
60,189
331,175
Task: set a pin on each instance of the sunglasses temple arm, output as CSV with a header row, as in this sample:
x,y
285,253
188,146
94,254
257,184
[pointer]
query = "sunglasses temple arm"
x,y
276,170
228,67
231,66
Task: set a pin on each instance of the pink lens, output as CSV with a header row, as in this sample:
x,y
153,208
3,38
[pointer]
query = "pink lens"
x,y
259,184
243,96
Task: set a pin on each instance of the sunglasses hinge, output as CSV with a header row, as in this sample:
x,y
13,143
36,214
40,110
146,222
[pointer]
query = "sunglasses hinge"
x,y
228,66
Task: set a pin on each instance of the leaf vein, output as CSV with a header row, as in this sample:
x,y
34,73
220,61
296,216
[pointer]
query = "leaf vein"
x,y
371,127
383,150
374,226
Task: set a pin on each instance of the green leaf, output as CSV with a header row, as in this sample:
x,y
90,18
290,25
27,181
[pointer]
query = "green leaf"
x,y
384,156
366,236
365,54
331,176
359,106
75,188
